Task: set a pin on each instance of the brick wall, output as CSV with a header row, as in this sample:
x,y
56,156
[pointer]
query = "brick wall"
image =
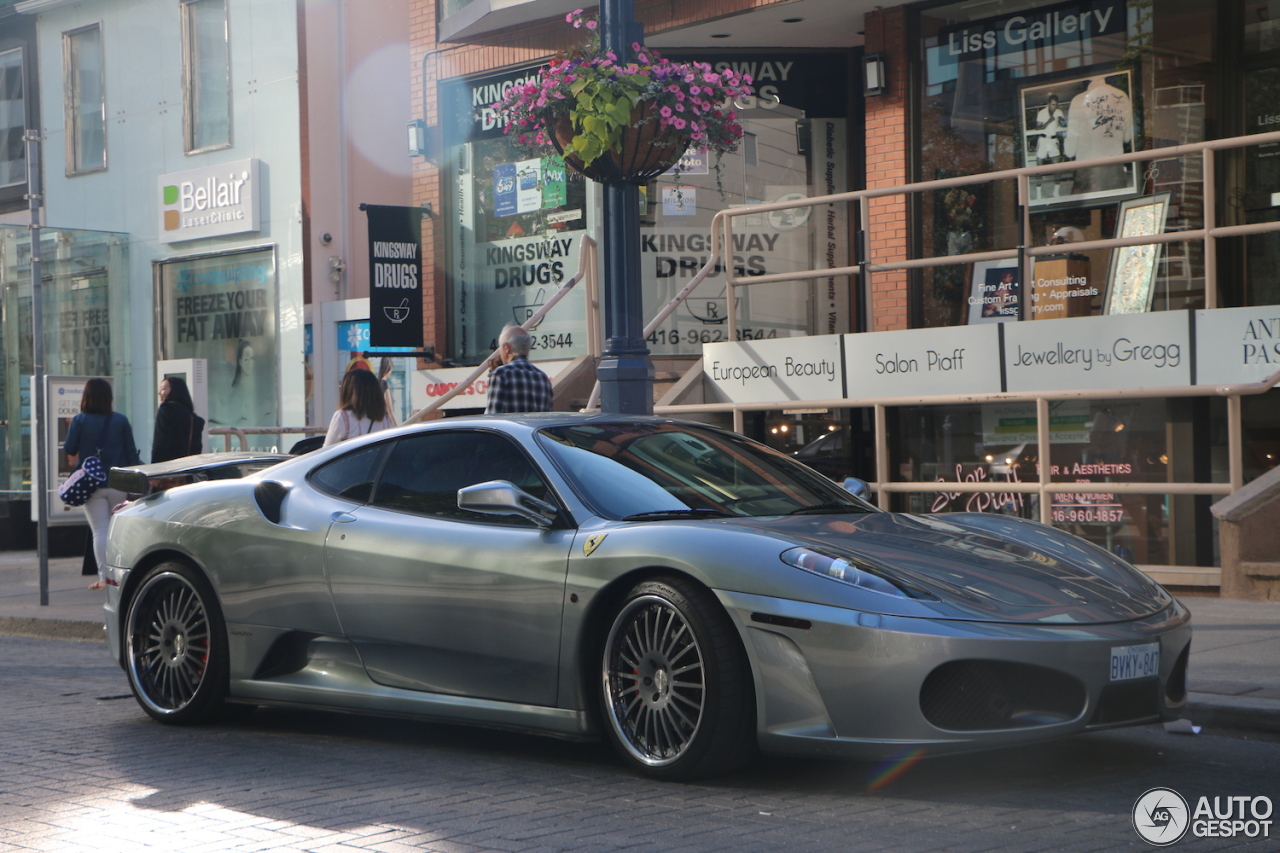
x,y
886,126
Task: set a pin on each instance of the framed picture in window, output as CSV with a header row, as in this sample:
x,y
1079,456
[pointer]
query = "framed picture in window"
x,y
995,293
1131,280
1083,118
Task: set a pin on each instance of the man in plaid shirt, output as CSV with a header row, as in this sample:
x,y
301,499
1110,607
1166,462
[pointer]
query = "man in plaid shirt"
x,y
516,385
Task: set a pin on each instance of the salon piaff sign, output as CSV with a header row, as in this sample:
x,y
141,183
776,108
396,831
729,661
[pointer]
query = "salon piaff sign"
x,y
1119,351
211,201
1236,345
1063,24
799,368
923,362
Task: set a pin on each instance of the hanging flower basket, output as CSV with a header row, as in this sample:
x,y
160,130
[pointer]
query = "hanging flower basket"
x,y
644,150
624,122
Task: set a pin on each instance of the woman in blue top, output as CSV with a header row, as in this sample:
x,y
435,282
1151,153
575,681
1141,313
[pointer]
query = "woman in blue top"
x,y
99,431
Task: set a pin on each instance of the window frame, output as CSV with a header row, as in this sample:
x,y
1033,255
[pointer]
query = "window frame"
x,y
71,102
21,50
190,77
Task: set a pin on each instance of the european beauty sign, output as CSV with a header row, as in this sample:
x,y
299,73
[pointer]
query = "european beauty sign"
x,y
1162,349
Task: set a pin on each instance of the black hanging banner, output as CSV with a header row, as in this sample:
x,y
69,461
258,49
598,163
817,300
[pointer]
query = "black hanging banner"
x,y
395,275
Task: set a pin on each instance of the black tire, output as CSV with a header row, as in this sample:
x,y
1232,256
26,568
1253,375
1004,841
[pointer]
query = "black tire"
x,y
176,646
676,692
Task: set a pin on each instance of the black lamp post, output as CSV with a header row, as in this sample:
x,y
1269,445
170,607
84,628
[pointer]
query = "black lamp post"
x,y
625,373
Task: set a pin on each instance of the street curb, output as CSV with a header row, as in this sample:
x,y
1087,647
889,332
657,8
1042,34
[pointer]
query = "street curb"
x,y
53,629
1256,716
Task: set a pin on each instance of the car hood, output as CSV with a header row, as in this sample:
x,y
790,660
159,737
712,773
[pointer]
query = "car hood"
x,y
984,566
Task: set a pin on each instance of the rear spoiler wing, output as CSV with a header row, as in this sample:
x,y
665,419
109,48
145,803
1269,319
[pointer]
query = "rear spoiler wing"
x,y
136,479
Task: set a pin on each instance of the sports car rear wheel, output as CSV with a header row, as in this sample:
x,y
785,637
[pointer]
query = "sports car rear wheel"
x,y
177,646
677,694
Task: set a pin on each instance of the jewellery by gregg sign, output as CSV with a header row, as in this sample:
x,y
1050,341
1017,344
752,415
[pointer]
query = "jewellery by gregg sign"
x,y
1162,817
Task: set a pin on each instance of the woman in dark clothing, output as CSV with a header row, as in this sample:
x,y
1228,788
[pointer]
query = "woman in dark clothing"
x,y
179,430
99,431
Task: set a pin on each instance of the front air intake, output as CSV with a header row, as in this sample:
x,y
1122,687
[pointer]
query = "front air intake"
x,y
987,695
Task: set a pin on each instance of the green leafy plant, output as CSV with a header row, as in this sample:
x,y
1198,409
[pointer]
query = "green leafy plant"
x,y
683,103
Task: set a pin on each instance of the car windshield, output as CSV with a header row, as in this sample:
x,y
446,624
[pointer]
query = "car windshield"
x,y
638,470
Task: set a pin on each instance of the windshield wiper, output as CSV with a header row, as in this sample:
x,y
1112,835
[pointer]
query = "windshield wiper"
x,y
832,507
661,514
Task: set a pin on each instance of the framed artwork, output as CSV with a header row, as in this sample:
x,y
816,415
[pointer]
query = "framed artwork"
x,y
995,294
1131,279
1079,119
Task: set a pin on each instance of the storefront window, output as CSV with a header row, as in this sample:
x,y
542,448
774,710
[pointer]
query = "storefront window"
x,y
1039,84
1093,441
223,308
83,290
516,226
517,221
795,146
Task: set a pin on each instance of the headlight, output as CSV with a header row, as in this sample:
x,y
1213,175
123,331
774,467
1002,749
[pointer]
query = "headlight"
x,y
842,569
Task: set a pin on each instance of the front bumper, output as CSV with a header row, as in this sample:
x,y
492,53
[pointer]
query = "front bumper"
x,y
832,681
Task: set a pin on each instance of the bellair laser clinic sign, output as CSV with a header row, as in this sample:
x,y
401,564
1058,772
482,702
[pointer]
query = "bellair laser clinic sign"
x,y
211,201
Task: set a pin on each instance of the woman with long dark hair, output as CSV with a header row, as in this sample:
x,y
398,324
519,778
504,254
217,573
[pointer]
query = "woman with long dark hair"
x,y
362,409
179,430
100,431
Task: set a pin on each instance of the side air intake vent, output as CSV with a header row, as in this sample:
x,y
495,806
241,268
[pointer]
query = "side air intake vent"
x,y
270,498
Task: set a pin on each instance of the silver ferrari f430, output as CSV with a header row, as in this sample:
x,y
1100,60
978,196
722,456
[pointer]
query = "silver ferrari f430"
x,y
682,591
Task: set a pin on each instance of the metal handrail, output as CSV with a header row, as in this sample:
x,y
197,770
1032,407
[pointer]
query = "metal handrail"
x,y
243,433
722,234
587,270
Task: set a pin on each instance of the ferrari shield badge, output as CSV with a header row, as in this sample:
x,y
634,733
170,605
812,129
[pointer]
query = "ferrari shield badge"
x,y
593,542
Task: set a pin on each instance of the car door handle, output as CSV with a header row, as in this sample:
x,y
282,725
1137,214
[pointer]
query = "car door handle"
x,y
342,517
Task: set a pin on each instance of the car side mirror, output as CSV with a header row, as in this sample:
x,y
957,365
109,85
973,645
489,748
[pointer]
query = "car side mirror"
x,y
499,497
858,488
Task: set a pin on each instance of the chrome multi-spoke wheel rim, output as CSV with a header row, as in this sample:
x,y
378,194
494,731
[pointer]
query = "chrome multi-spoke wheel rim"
x,y
654,680
169,643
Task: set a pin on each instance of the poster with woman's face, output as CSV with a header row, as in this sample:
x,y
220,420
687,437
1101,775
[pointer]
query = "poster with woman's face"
x,y
223,309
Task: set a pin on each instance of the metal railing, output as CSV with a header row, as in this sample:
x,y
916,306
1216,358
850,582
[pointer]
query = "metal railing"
x,y
587,271
722,235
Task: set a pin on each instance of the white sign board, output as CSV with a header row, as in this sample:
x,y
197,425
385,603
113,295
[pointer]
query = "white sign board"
x,y
1237,344
429,385
209,202
194,372
923,362
1121,351
800,368
62,403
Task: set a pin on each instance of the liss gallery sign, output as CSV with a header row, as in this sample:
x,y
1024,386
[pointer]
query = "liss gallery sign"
x,y
1164,349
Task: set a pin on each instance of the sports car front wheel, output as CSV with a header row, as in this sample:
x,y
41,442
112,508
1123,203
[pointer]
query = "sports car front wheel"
x,y
176,646
677,694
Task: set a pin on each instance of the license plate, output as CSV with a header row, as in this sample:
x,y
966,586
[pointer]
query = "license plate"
x,y
1135,661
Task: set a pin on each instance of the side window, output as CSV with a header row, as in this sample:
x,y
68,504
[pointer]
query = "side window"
x,y
424,473
206,75
351,476
84,100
